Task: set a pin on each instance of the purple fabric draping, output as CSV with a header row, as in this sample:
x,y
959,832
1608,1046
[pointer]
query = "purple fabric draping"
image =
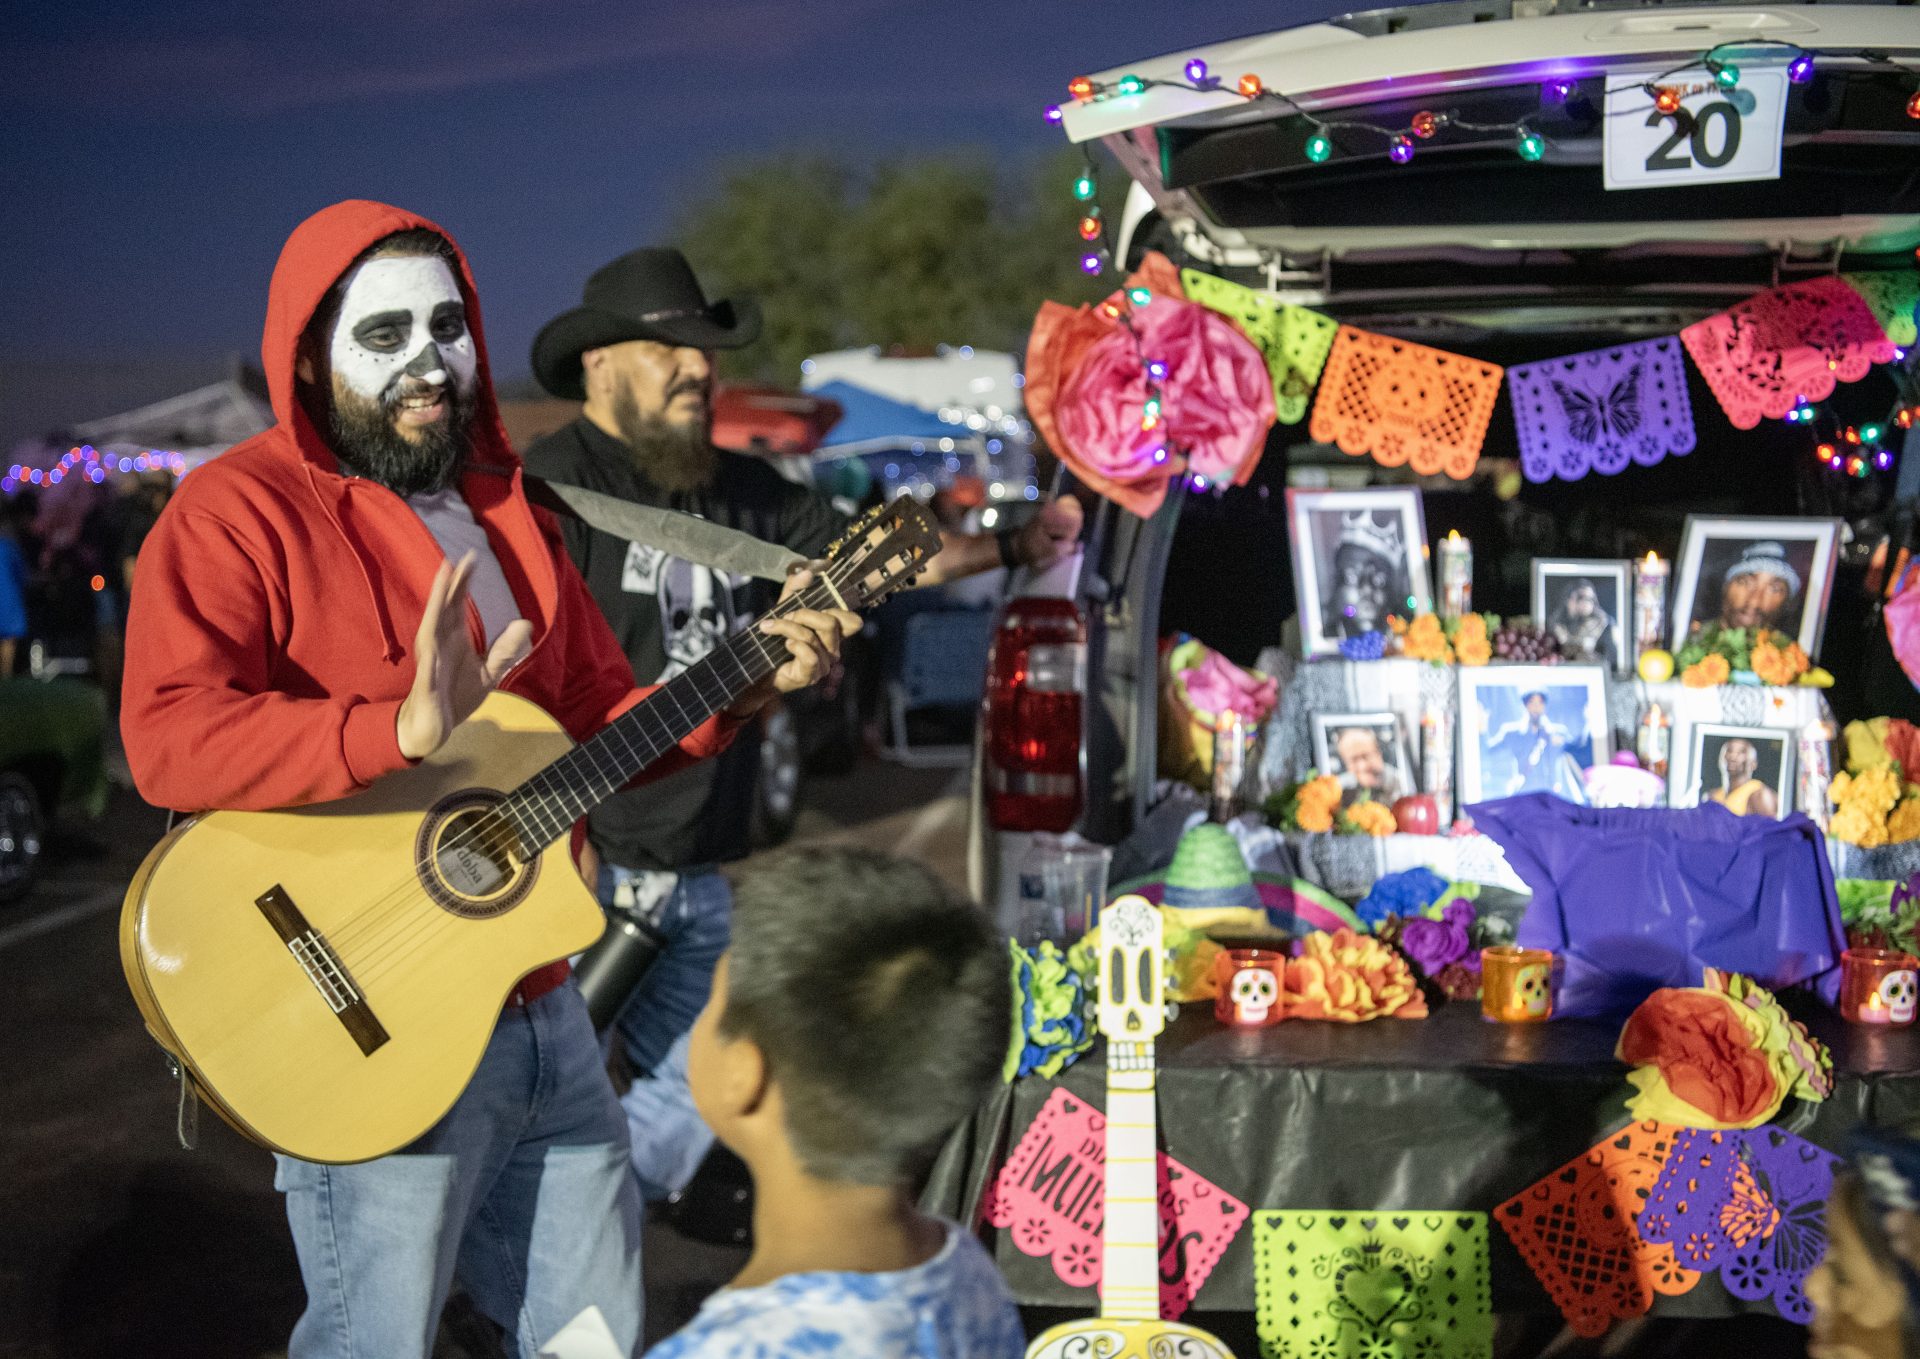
x,y
1633,900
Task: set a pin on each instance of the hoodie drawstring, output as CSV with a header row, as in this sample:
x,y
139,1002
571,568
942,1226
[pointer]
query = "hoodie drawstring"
x,y
392,653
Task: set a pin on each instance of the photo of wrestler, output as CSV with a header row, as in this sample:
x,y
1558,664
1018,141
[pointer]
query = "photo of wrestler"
x,y
1365,752
1582,604
1360,559
1747,770
1756,573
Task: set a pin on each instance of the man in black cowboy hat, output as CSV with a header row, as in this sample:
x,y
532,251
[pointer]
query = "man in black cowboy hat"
x,y
639,353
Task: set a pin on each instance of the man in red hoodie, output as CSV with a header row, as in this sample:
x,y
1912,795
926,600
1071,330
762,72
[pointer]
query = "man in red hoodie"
x,y
267,668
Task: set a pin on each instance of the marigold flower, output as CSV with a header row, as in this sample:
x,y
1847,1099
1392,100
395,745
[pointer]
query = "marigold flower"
x,y
1706,672
1776,664
1374,818
1904,824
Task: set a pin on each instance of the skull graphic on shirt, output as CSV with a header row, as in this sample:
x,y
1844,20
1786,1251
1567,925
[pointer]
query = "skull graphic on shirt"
x,y
696,604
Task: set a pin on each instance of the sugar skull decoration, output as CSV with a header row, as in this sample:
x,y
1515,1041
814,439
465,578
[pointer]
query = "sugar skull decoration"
x,y
1897,992
1255,990
1531,988
1516,984
1132,970
1249,987
1879,986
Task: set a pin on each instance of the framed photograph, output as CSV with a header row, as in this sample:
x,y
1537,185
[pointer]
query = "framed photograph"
x,y
1587,607
1756,573
1531,729
1359,558
1367,752
1747,770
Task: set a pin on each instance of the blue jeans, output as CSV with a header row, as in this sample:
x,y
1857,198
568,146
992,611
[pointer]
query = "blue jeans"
x,y
669,1138
524,1187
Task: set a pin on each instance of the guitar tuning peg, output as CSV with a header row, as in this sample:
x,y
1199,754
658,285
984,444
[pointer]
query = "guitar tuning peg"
x,y
1172,1011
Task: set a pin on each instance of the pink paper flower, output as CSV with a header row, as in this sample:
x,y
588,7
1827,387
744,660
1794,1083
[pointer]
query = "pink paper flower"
x,y
1216,400
1218,686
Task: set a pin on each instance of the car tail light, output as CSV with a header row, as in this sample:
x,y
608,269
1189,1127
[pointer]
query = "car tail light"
x,y
1036,675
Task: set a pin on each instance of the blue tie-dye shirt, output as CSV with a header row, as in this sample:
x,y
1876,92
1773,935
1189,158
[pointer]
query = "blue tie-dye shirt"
x,y
955,1306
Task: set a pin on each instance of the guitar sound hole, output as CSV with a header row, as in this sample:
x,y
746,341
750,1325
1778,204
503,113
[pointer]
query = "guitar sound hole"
x,y
470,857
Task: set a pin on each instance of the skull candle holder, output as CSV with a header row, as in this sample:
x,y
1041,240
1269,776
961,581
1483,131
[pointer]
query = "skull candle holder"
x,y
1249,987
1879,986
1516,984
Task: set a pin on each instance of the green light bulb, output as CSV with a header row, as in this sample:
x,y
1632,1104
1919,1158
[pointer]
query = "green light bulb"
x,y
1131,84
1727,74
1870,434
1531,146
1318,149
1083,188
1139,296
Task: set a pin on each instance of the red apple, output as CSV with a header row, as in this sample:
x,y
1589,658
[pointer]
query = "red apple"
x,y
1417,814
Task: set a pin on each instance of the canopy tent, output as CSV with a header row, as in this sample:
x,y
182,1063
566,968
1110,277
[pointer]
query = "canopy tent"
x,y
871,423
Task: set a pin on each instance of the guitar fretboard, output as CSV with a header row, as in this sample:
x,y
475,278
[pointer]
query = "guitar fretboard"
x,y
1130,1240
545,807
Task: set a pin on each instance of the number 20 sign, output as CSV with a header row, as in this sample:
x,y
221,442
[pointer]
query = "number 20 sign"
x,y
1717,136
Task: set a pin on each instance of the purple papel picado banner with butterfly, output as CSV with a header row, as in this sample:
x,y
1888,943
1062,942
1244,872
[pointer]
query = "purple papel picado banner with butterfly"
x,y
1602,411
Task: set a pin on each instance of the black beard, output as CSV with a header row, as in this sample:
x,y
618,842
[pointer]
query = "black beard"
x,y
673,457
365,439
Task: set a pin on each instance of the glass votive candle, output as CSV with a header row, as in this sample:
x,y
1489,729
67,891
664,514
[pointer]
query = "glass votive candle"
x,y
1249,980
1878,986
1516,984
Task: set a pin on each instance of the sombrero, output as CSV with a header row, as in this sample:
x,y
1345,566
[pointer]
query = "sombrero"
x,y
1210,884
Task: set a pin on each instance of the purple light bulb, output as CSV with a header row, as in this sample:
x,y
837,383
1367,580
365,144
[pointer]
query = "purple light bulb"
x,y
1401,151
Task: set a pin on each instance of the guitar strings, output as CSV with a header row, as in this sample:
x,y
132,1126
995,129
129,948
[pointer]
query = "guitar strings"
x,y
416,931
365,925
360,929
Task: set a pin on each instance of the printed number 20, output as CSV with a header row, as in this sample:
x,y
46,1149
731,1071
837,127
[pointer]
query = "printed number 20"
x,y
1692,129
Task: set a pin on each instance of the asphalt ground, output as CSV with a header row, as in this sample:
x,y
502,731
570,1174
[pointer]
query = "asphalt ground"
x,y
116,1242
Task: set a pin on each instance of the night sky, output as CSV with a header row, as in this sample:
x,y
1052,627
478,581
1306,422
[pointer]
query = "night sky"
x,y
158,154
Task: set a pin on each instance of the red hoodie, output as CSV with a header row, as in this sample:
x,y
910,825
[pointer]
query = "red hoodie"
x,y
275,602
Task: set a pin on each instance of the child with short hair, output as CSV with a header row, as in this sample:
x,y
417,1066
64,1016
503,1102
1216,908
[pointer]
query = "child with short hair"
x,y
862,1011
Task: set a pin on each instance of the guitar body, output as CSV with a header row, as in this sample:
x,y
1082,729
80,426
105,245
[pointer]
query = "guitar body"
x,y
1111,1338
329,976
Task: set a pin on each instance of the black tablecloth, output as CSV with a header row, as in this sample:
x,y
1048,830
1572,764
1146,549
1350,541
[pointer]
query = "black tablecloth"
x,y
1449,1113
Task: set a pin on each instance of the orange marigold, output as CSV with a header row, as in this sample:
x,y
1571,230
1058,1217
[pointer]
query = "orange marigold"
x,y
1373,818
1425,640
1473,651
1706,672
1904,824
1777,664
1313,817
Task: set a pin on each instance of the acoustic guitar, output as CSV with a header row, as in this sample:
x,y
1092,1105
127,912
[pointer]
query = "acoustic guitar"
x,y
1132,1009
328,976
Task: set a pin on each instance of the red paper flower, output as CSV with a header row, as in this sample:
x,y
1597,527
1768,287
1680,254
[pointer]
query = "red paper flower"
x,y
1903,743
1703,1052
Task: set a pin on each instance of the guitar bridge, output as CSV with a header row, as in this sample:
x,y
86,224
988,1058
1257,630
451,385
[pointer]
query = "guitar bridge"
x,y
323,968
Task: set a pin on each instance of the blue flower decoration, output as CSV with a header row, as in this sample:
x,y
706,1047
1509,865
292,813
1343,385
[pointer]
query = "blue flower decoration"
x,y
1406,893
1368,646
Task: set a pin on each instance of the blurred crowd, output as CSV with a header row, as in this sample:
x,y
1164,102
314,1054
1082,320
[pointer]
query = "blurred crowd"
x,y
66,570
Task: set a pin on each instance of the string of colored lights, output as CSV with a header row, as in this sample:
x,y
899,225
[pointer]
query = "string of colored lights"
x,y
92,465
1857,450
1529,143
1153,371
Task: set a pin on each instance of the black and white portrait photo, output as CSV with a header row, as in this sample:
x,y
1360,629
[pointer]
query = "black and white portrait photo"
x,y
1360,558
1583,605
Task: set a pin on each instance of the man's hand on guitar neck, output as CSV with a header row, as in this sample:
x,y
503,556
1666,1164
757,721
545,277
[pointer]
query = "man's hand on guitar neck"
x,y
813,638
450,678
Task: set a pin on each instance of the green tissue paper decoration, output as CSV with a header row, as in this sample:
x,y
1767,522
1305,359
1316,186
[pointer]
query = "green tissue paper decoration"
x,y
1294,341
1051,1025
1372,1285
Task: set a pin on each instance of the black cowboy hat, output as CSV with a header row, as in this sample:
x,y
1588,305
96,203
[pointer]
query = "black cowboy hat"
x,y
643,295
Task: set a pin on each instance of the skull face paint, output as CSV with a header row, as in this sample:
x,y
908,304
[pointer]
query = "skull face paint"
x,y
1898,994
402,320
1531,987
1254,993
